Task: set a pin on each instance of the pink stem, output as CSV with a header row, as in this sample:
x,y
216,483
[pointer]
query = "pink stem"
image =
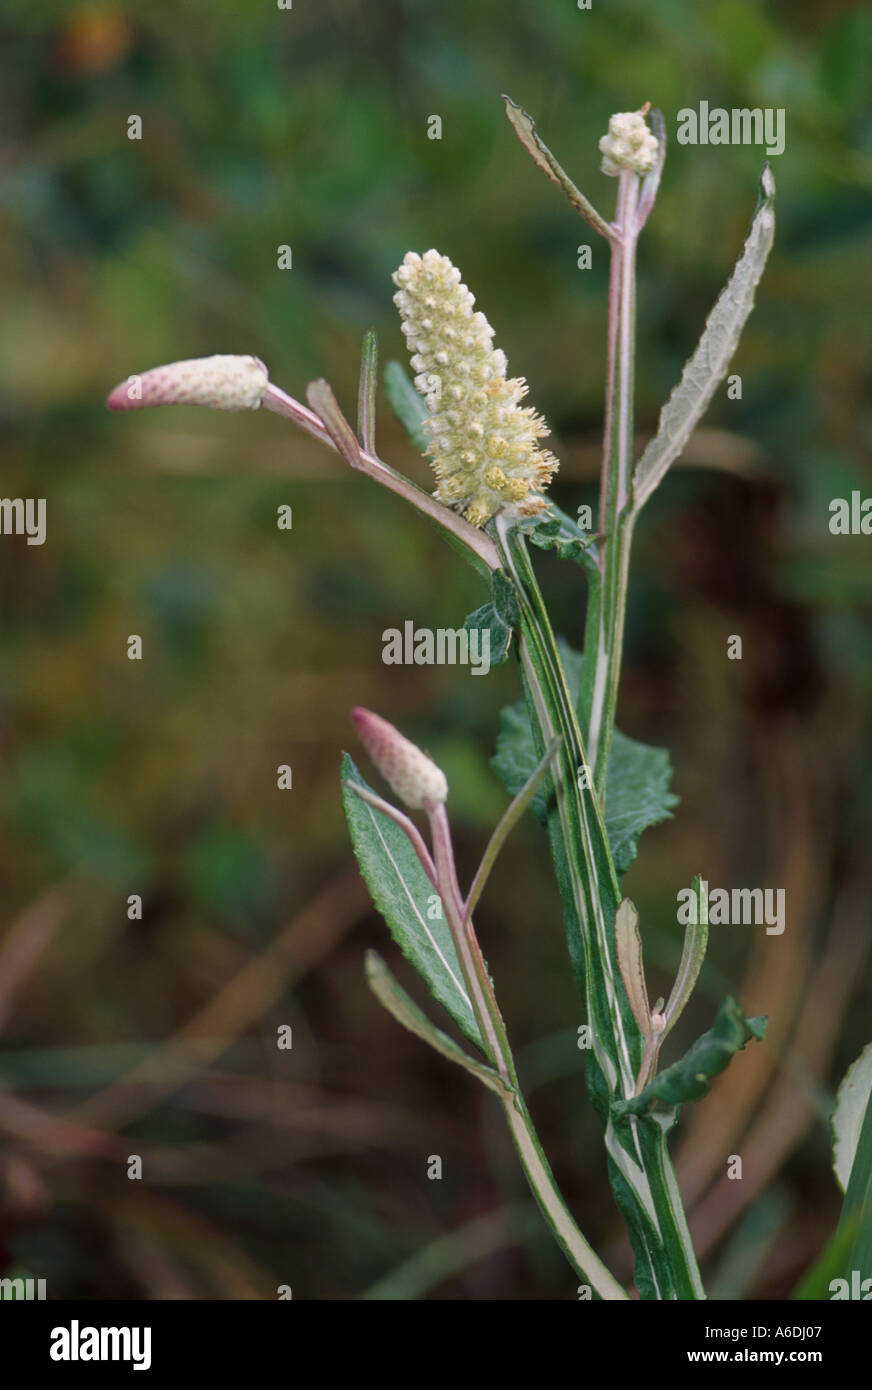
x,y
411,830
280,403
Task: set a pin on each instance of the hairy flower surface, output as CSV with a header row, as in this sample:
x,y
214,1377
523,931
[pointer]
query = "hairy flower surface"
x,y
484,444
629,145
223,382
414,777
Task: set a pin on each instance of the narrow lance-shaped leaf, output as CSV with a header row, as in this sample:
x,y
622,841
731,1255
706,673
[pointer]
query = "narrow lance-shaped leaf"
x,y
692,957
320,396
539,152
406,404
852,1101
629,948
405,897
707,367
651,181
852,1130
472,543
366,390
833,1259
690,1078
628,945
406,1012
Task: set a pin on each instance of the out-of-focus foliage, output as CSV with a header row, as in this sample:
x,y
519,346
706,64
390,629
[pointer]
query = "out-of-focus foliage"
x,y
307,128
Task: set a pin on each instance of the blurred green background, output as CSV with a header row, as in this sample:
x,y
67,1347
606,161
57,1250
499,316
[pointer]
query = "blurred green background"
x,y
308,127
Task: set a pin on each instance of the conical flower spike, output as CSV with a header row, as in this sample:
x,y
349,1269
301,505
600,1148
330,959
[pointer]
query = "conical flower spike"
x,y
410,774
221,382
484,443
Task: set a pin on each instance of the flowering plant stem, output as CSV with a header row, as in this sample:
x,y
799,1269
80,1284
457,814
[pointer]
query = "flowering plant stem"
x,y
639,1166
331,428
604,632
536,1168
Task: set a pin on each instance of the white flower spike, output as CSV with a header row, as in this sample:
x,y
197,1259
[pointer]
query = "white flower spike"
x,y
484,448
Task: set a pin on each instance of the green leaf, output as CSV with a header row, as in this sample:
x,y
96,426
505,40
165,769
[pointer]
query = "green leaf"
x,y
402,893
690,1078
707,368
504,600
651,181
515,758
407,405
639,1169
366,391
320,396
406,1011
637,795
487,619
525,130
471,542
637,782
852,1102
833,1259
553,529
852,1130
692,957
629,948
498,617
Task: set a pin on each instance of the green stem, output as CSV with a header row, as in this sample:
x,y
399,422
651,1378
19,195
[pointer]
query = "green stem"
x,y
537,1169
581,1256
607,601
506,825
639,1166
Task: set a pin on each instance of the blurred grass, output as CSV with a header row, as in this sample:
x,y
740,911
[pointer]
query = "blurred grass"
x,y
308,128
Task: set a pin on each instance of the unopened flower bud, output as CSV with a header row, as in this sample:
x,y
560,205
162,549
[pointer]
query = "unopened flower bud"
x,y
629,145
414,777
221,382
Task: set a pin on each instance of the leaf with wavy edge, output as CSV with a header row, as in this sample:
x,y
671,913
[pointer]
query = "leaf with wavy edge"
x,y
690,1078
707,367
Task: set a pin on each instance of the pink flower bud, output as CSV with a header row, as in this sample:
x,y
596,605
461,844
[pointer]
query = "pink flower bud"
x,y
222,382
414,777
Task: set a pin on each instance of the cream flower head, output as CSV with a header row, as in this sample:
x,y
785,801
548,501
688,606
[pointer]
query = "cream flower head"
x,y
484,445
629,145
